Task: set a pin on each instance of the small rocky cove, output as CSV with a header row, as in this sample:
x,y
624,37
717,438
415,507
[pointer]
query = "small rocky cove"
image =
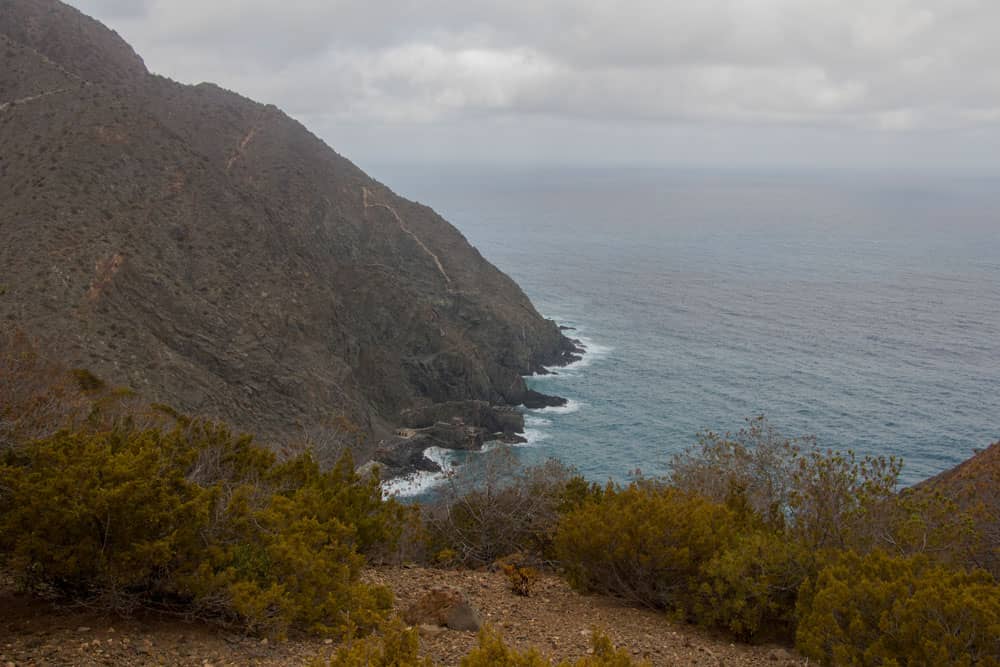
x,y
465,425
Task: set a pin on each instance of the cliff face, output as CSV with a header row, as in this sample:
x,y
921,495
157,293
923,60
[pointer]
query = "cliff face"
x,y
212,253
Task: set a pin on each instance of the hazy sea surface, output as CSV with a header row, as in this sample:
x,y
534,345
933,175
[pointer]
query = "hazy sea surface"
x,y
862,308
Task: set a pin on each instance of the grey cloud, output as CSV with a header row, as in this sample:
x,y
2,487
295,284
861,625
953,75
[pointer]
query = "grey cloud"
x,y
887,66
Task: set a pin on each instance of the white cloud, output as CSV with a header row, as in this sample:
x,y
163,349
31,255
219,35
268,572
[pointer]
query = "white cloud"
x,y
887,66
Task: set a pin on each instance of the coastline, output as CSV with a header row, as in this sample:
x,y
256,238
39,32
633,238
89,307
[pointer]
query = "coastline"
x,y
430,463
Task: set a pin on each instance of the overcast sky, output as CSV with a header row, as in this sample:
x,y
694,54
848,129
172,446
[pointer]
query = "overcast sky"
x,y
698,82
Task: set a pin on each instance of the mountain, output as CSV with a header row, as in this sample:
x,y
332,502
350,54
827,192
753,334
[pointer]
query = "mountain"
x,y
213,254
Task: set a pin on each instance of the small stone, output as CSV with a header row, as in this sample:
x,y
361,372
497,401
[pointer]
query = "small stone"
x,y
263,642
327,641
83,628
428,630
779,655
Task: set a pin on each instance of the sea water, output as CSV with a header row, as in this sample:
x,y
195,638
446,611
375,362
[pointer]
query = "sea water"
x,y
859,307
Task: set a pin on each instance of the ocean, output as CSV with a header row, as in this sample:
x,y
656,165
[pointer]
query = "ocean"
x,y
859,307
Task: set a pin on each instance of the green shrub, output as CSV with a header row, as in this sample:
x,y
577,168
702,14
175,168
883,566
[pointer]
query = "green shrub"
x,y
491,651
197,520
644,542
395,647
750,589
890,610
108,514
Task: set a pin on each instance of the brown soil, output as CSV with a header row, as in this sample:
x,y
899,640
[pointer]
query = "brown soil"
x,y
554,619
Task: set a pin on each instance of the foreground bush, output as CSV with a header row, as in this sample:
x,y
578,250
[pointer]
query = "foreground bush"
x,y
493,652
825,499
395,647
491,509
644,542
750,589
195,520
400,647
890,610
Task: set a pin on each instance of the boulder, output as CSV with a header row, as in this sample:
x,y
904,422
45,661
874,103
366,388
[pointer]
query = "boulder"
x,y
534,400
402,455
454,435
443,606
490,417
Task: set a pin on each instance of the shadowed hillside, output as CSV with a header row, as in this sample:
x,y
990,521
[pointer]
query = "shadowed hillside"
x,y
213,254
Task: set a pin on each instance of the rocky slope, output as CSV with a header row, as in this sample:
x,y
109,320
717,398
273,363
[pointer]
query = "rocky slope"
x,y
213,254
554,620
974,486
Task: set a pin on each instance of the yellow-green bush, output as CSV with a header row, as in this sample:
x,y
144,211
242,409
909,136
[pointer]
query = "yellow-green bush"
x,y
195,519
491,651
395,647
644,542
751,588
890,610
106,514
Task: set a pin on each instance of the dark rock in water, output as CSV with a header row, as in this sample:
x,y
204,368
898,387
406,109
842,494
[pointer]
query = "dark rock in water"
x,y
534,400
453,435
509,439
481,414
563,327
212,253
402,455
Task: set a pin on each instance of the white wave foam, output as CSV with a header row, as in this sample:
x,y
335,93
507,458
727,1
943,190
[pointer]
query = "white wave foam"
x,y
418,482
532,420
533,436
571,406
592,351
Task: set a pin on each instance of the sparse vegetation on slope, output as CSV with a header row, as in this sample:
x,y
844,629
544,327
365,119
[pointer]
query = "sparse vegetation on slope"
x,y
125,506
749,534
212,251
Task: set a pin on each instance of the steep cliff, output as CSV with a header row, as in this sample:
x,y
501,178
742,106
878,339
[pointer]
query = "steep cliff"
x,y
212,253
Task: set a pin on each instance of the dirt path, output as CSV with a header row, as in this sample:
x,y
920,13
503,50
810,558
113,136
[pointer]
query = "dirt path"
x,y
555,620
558,622
407,230
31,98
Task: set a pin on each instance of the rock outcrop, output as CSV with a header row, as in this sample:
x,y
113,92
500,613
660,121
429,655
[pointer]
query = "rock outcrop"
x,y
213,254
443,606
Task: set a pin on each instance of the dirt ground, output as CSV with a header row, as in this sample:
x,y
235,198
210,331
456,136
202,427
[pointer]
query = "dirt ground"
x,y
554,619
